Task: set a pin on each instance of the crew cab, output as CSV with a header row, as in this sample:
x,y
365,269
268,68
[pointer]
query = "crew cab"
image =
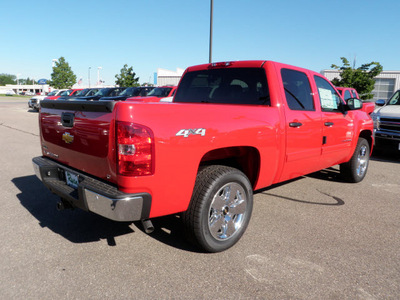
x,y
387,123
233,128
348,93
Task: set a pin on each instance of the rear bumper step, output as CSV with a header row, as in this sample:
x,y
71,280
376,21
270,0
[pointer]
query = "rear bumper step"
x,y
92,194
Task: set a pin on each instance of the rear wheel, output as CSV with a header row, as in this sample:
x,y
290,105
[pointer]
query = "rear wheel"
x,y
220,208
356,168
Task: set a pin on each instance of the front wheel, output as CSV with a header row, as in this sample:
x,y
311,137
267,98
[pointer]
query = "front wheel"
x,y
356,168
220,208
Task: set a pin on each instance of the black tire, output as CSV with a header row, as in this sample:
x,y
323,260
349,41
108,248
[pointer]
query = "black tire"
x,y
356,168
217,218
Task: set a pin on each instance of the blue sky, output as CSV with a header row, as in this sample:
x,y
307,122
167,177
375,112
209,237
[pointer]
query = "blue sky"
x,y
151,34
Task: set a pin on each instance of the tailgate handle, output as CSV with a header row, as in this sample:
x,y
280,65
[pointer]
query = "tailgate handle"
x,y
67,119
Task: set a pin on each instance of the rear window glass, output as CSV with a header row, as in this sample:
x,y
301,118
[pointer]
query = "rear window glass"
x,y
230,86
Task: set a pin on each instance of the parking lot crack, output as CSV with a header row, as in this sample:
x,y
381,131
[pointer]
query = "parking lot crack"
x,y
13,128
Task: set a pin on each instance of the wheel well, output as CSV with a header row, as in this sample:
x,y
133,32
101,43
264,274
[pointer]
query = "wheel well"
x,y
246,159
366,134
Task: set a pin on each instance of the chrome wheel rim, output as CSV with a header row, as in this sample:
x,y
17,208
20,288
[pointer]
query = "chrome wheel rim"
x,y
362,160
227,211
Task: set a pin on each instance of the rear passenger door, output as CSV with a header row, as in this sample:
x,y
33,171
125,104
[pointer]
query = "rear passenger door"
x,y
338,126
303,125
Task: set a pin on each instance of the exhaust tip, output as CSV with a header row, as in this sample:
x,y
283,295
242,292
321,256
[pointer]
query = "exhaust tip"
x,y
147,226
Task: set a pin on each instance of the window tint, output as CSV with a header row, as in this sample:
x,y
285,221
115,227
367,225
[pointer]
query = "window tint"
x,y
330,100
225,85
297,90
347,95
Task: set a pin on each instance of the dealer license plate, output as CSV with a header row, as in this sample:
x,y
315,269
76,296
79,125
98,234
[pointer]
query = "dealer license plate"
x,y
72,179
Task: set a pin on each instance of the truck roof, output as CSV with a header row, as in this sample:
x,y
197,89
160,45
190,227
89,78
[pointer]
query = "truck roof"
x,y
245,64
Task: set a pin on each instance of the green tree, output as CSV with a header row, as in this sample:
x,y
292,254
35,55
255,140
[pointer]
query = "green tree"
x,y
27,81
127,77
62,76
362,78
7,79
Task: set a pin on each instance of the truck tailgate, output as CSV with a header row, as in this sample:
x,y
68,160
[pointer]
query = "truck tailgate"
x,y
80,134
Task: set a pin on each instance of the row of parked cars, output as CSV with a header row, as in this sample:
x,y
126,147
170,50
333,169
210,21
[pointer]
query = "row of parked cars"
x,y
143,94
386,117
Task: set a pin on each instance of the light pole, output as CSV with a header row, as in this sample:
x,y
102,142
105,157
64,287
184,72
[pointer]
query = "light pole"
x,y
89,75
211,30
18,83
98,75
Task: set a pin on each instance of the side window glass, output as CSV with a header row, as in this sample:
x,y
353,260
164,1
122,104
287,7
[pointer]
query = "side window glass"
x,y
330,100
395,100
297,90
347,95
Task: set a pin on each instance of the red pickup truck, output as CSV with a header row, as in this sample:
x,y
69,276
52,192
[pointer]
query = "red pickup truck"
x,y
233,128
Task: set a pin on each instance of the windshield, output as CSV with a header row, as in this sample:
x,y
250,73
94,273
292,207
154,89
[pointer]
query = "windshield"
x,y
102,92
395,100
82,93
131,92
159,92
66,93
52,93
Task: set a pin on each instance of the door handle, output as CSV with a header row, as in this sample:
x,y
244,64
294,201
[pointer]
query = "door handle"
x,y
329,123
295,124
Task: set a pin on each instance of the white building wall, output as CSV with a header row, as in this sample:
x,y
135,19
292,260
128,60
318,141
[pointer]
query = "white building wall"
x,y
167,77
26,88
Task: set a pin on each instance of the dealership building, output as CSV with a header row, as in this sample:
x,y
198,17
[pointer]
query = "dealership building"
x,y
167,77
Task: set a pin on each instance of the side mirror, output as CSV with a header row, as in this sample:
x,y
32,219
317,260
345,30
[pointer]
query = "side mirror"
x,y
380,102
354,104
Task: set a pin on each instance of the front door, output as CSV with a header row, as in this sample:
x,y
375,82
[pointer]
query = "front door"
x,y
303,126
338,126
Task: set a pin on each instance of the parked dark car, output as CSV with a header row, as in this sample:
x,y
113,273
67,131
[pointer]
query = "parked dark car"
x,y
139,91
105,92
82,93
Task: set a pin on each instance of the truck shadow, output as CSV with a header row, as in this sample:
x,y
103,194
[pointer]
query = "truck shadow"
x,y
329,174
169,230
79,226
75,225
386,156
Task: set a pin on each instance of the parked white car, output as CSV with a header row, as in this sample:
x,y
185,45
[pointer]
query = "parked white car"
x,y
10,93
387,123
34,102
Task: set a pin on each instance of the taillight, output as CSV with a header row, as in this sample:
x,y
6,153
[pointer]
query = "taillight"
x,y
135,146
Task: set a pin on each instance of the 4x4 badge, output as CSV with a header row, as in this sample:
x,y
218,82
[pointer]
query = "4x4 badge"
x,y
186,132
68,138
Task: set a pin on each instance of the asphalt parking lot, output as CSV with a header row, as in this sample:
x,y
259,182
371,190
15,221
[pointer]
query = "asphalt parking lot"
x,y
315,237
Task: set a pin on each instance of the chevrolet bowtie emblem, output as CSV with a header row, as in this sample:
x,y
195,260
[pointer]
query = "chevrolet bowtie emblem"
x,y
66,137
